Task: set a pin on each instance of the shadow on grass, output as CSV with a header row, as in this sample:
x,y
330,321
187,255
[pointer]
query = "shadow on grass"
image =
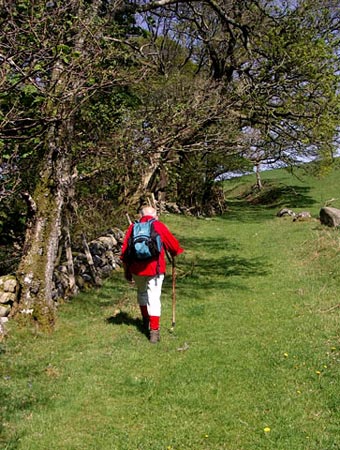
x,y
123,318
276,195
228,264
256,206
225,270
223,273
214,264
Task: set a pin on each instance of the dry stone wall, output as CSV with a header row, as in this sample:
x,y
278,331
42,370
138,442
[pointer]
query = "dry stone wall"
x,y
8,296
94,262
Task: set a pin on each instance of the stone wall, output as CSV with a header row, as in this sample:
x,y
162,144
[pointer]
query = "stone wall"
x,y
8,296
94,262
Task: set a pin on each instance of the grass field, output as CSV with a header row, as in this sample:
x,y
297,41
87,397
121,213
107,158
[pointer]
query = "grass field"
x,y
253,363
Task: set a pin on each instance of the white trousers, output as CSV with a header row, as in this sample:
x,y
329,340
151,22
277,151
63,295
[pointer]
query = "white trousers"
x,y
149,291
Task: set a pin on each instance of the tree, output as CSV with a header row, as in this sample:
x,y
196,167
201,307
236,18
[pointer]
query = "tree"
x,y
55,57
180,93
276,68
217,69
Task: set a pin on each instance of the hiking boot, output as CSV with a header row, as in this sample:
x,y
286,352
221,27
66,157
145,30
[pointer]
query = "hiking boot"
x,y
154,336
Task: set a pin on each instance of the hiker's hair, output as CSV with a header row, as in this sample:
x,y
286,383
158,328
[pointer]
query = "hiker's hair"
x,y
148,211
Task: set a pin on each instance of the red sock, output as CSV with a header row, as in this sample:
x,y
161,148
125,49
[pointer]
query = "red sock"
x,y
154,322
144,311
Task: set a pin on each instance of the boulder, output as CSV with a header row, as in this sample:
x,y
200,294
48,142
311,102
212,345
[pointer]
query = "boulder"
x,y
285,212
8,283
5,310
7,297
109,241
303,215
330,216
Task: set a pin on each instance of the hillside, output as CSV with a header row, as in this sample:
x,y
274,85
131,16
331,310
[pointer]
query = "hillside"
x,y
298,191
253,362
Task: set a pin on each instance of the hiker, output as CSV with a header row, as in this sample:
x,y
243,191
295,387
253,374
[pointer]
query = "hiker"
x,y
148,274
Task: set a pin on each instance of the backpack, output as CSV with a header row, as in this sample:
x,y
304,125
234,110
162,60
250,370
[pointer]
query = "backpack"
x,y
144,243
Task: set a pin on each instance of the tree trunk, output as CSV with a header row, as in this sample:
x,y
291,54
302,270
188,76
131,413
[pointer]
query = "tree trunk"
x,y
72,288
146,176
258,177
43,232
53,191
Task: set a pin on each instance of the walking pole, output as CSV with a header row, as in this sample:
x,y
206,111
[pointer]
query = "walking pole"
x,y
173,267
173,294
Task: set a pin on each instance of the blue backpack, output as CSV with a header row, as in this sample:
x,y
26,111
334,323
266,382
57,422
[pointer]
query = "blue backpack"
x,y
144,243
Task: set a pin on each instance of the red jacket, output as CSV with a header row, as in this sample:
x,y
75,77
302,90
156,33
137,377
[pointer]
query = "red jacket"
x,y
149,268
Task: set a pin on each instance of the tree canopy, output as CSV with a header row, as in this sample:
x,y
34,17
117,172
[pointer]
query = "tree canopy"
x,y
160,97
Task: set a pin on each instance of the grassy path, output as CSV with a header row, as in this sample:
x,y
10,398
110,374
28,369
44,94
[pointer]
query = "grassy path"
x,y
252,365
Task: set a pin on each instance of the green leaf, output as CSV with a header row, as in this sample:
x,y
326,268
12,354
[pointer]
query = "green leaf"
x,y
30,89
62,48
